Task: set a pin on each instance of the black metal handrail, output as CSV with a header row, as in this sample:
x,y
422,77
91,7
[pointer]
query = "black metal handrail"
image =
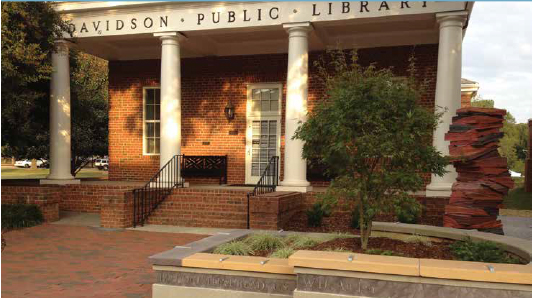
x,y
147,198
267,183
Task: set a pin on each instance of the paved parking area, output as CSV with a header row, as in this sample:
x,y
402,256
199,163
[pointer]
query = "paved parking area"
x,y
73,261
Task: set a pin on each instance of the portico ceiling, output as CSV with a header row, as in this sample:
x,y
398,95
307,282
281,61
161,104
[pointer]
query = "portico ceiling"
x,y
393,28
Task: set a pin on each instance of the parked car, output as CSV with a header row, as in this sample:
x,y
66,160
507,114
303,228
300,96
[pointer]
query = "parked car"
x,y
103,164
44,164
26,163
97,162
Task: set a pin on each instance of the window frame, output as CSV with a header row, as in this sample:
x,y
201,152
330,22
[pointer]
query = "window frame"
x,y
144,137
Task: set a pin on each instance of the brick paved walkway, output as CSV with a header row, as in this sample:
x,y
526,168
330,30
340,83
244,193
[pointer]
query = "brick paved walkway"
x,y
68,261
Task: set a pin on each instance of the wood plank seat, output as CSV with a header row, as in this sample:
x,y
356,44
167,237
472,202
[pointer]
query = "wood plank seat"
x,y
205,166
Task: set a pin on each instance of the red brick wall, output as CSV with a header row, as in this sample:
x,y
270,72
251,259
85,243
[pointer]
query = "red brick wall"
x,y
109,200
189,207
466,99
272,211
117,211
207,85
47,198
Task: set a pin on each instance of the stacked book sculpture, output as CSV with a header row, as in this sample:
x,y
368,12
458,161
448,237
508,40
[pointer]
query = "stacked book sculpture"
x,y
483,177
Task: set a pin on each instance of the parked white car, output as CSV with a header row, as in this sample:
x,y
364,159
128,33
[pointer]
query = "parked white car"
x,y
103,165
26,163
97,163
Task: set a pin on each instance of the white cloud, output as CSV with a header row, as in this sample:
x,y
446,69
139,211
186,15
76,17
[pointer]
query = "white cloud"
x,y
497,54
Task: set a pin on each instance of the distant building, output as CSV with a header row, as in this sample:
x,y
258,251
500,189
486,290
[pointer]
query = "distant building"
x,y
468,91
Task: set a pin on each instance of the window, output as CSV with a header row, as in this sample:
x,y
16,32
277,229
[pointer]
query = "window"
x,y
265,100
152,120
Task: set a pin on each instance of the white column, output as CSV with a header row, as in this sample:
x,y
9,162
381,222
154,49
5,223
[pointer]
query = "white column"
x,y
170,127
448,91
60,132
295,167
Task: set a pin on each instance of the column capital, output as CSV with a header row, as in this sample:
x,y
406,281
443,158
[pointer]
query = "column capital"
x,y
172,36
298,29
454,18
62,46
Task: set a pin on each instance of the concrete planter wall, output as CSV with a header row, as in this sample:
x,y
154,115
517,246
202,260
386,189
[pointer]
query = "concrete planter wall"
x,y
191,271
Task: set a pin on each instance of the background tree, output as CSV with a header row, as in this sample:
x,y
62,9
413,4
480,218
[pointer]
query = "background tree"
x,y
28,33
89,94
513,145
373,135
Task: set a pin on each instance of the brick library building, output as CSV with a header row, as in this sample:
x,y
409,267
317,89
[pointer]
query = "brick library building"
x,y
204,98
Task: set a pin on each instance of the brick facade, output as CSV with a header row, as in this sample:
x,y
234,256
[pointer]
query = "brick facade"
x,y
207,86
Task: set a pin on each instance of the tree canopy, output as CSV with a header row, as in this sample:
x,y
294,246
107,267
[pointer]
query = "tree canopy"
x,y
373,135
29,30
513,145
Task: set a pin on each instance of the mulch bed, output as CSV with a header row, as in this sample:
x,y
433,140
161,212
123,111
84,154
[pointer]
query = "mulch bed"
x,y
340,222
437,250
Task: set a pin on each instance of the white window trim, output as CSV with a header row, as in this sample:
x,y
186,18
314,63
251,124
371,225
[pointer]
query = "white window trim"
x,y
144,122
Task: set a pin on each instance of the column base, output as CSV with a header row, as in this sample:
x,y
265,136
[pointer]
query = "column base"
x,y
59,181
294,188
439,190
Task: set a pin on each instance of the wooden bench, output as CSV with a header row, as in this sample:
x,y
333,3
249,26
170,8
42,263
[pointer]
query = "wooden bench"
x,y
205,166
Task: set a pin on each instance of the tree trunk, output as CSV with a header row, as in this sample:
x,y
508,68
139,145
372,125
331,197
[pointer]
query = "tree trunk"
x,y
34,164
362,227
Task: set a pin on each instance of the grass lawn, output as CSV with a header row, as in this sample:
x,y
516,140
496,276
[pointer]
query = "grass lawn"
x,y
517,198
22,173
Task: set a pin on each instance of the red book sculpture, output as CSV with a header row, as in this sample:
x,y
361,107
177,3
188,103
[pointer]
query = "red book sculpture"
x,y
483,178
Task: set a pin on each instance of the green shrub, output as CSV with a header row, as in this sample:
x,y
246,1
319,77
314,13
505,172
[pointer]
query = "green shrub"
x,y
315,215
264,241
234,248
282,253
303,242
481,251
20,216
408,210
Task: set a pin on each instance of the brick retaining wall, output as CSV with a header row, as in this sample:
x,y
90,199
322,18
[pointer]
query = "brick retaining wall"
x,y
47,198
272,211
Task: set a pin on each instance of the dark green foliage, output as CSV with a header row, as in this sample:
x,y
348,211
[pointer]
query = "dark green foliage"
x,y
408,210
29,30
481,251
315,215
513,145
89,85
20,216
372,134
354,223
28,33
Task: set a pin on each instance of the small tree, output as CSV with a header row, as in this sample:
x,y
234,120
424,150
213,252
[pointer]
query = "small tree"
x,y
373,135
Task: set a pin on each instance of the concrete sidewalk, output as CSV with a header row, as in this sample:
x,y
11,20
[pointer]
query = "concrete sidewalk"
x,y
519,227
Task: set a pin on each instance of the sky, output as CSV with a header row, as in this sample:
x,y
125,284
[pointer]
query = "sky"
x,y
497,55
